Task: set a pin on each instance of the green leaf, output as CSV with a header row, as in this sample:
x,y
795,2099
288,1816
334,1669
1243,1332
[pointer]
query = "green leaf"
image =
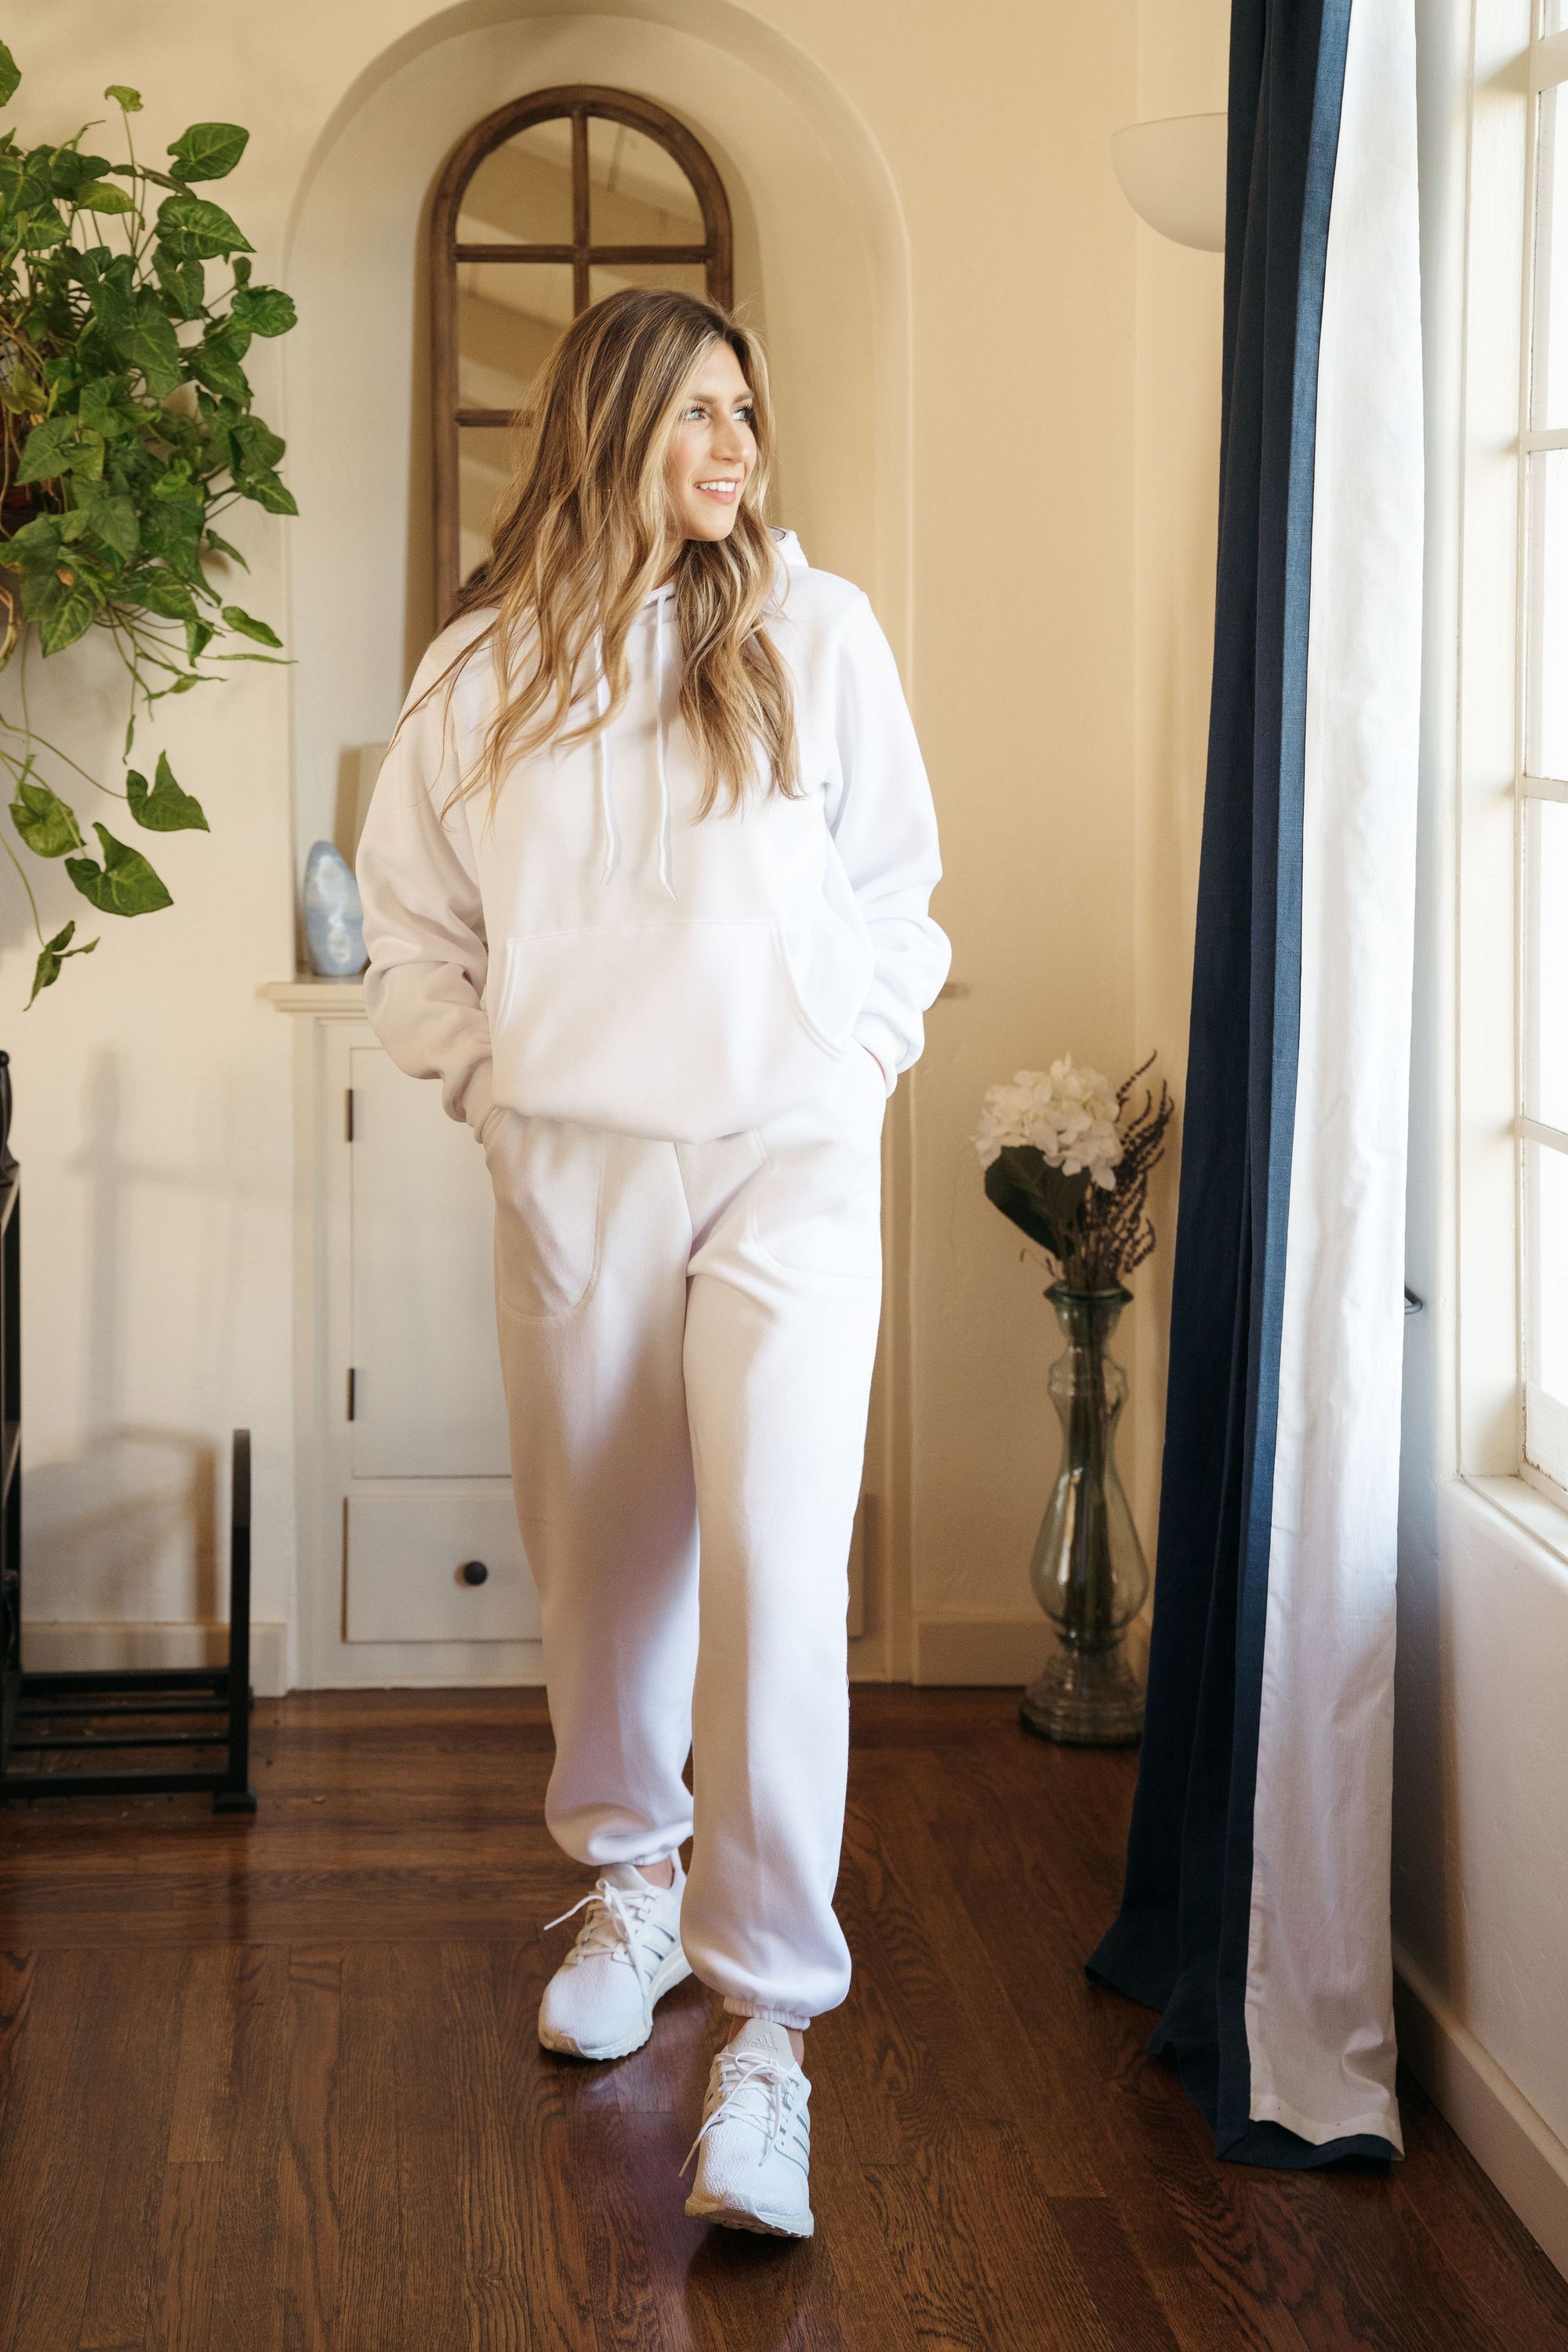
x,y
171,529
1038,1198
199,636
37,541
10,75
148,341
242,271
46,971
65,612
240,620
192,226
221,547
110,285
257,444
129,100
112,518
41,228
264,486
208,151
166,808
160,592
87,456
47,451
264,310
103,196
183,280
44,820
123,884
70,170
213,362
99,412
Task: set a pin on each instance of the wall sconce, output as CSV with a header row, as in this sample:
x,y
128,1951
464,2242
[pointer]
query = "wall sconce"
x,y
1172,175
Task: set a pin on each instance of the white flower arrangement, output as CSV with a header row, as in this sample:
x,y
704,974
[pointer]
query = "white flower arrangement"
x,y
1068,1115
1067,1159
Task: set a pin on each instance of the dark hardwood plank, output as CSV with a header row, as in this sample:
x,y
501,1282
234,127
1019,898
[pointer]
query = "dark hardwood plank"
x,y
146,1992
371,2223
551,2152
52,2159
306,2256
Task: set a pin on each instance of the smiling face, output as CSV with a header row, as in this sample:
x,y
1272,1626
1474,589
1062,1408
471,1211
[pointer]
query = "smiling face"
x,y
713,448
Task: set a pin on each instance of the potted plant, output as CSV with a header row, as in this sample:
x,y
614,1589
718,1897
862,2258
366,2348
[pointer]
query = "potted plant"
x,y
127,307
1068,1161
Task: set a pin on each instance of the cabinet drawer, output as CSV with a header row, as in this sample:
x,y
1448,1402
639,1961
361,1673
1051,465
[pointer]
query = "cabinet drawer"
x,y
403,1565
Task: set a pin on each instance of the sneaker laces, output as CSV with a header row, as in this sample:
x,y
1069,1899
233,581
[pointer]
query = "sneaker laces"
x,y
738,2072
614,1914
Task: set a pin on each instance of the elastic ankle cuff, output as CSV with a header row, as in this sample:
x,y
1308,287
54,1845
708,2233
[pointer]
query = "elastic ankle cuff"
x,y
790,2018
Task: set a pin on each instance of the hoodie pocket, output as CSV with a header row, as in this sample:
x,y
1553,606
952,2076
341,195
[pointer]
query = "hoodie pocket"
x,y
549,1181
682,1030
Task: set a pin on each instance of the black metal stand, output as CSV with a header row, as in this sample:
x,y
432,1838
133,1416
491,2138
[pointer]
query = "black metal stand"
x,y
33,1706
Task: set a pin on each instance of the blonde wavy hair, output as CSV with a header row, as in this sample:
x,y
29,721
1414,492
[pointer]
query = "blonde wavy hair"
x,y
579,543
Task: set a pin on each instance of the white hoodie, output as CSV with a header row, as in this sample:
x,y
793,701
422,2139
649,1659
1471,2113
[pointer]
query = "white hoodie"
x,y
594,952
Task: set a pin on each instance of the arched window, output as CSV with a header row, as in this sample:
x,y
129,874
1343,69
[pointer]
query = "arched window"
x,y
550,203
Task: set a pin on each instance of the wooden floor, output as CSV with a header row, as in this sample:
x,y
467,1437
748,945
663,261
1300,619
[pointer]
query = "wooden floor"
x,y
275,2084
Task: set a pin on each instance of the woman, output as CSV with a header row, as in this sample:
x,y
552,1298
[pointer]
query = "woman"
x,y
646,878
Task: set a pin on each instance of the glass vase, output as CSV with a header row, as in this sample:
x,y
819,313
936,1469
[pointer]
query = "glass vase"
x,y
1089,1570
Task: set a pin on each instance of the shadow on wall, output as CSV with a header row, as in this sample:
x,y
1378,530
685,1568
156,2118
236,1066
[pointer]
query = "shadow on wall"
x,y
127,1527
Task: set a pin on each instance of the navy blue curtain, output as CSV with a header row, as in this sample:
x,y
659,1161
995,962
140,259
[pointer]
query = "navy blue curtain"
x,y
1184,1942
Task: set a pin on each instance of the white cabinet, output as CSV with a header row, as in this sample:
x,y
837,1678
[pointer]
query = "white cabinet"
x,y
411,1567
427,1380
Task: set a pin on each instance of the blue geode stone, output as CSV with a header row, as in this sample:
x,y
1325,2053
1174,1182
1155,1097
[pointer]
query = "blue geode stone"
x,y
334,919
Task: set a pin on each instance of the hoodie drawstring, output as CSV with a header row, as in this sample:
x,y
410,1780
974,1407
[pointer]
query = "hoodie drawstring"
x,y
602,766
602,759
659,749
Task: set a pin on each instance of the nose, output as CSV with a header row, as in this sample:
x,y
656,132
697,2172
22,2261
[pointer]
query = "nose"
x,y
729,441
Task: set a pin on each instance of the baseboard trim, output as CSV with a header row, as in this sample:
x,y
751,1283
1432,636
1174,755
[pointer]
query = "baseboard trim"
x,y
68,1647
952,1647
1511,2143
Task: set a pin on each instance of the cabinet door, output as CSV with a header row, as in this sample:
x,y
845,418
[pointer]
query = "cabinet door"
x,y
427,1370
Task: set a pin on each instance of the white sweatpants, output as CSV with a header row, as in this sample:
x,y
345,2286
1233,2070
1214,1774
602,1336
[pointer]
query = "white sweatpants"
x,y
687,1335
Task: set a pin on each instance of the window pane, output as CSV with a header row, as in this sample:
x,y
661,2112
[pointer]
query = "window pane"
x,y
1549,378
1546,1270
509,315
690,277
522,192
638,192
1546,970
485,458
1546,650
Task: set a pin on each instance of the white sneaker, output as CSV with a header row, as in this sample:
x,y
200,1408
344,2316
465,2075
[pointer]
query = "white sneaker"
x,y
600,2001
753,2148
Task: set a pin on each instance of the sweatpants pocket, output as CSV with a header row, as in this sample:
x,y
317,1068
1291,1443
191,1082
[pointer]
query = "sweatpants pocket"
x,y
548,1179
817,1203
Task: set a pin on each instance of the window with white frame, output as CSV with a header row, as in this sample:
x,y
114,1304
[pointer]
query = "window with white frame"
x,y
1542,782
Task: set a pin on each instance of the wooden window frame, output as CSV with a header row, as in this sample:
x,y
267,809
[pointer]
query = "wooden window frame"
x,y
579,102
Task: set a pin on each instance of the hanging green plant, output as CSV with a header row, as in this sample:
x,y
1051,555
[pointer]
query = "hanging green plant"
x,y
126,430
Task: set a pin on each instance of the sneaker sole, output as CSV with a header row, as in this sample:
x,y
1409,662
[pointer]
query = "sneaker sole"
x,y
676,1970
742,2217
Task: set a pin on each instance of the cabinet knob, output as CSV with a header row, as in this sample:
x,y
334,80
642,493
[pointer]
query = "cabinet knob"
x,y
473,1571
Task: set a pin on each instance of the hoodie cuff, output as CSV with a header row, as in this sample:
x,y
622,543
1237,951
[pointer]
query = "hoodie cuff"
x,y
883,1043
478,1098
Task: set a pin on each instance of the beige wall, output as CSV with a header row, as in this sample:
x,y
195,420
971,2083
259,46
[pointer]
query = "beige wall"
x,y
1182,70
1034,376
